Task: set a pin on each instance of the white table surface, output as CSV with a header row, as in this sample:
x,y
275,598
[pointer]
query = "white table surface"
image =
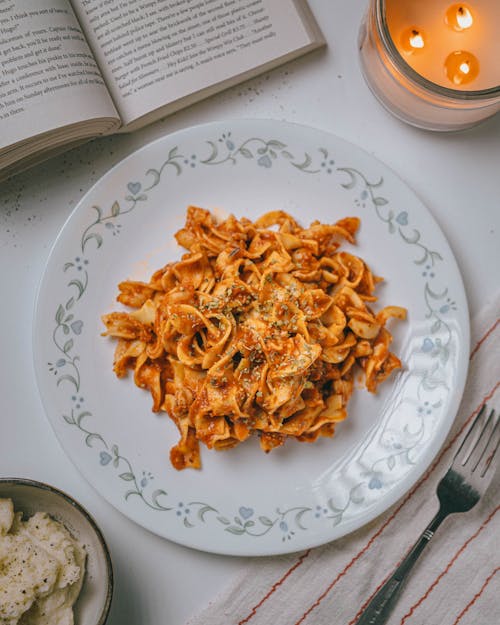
x,y
456,175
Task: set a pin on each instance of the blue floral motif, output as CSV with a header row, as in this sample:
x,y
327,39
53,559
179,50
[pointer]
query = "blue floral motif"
x,y
77,326
60,362
320,511
265,152
288,534
428,272
375,482
182,510
147,476
105,458
226,139
437,348
265,161
427,345
190,162
425,408
245,512
327,165
114,228
402,218
77,401
80,263
134,187
448,306
111,457
391,439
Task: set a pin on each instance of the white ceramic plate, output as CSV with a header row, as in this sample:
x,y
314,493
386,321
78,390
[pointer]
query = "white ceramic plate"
x,y
243,501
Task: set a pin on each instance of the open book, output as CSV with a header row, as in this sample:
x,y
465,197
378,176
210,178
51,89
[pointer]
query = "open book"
x,y
71,70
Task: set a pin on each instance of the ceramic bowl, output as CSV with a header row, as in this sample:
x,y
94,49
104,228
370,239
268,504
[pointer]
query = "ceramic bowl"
x,y
94,601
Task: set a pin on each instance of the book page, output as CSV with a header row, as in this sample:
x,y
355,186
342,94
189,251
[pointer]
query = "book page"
x,y
48,76
153,52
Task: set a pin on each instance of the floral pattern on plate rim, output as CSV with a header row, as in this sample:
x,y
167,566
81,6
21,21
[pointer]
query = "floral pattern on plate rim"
x,y
436,346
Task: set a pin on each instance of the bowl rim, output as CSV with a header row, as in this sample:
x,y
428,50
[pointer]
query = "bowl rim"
x,y
69,499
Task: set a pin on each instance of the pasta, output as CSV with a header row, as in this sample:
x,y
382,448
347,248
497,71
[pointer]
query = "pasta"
x,y
258,329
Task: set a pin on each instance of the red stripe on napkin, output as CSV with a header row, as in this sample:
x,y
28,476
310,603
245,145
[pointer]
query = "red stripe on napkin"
x,y
274,587
483,338
476,596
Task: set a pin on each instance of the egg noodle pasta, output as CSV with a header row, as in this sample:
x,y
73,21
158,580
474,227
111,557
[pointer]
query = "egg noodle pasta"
x,y
258,329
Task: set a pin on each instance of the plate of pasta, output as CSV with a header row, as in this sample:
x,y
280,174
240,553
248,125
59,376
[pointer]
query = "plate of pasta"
x,y
251,337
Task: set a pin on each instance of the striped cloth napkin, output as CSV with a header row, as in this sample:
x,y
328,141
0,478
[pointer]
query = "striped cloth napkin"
x,y
456,581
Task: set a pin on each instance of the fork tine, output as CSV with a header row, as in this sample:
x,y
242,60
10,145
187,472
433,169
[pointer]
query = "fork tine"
x,y
490,449
470,440
477,451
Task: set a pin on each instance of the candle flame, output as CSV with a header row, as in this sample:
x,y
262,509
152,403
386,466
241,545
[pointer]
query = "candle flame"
x,y
459,17
464,17
412,40
416,40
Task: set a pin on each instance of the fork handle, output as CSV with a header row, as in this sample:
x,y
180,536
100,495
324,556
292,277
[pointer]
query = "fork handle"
x,y
378,610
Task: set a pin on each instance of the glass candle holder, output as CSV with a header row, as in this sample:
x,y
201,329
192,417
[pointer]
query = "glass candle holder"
x,y
434,64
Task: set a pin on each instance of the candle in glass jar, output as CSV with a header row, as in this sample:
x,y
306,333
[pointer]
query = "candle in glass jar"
x,y
433,63
455,45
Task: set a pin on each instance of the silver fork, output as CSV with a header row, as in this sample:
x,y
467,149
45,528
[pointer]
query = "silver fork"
x,y
459,490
